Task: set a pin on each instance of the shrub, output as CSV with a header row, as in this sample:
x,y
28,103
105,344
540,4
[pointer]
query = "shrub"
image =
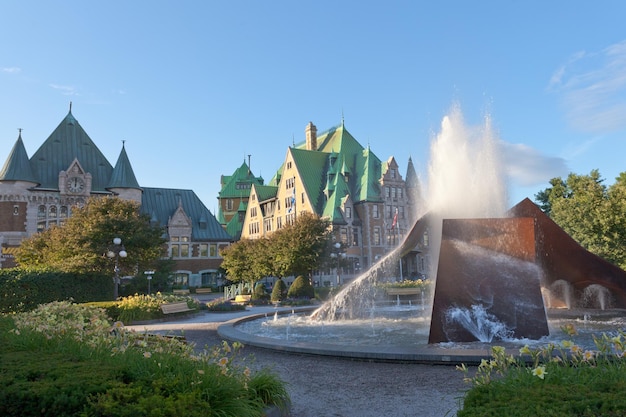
x,y
259,292
68,360
23,290
301,288
279,292
222,304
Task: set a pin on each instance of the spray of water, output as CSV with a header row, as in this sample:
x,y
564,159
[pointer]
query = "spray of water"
x,y
465,180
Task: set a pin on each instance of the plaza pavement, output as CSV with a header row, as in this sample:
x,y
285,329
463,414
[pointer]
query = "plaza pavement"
x,y
330,386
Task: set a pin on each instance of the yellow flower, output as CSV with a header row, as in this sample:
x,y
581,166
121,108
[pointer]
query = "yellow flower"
x,y
201,371
147,355
567,344
588,355
247,372
575,349
223,361
524,350
540,372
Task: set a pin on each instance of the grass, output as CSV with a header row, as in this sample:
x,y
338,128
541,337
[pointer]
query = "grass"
x,y
69,360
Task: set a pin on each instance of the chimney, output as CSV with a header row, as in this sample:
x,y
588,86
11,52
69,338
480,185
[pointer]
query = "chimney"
x,y
311,137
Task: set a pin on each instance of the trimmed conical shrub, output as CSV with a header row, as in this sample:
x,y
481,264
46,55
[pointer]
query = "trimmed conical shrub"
x,y
301,288
279,292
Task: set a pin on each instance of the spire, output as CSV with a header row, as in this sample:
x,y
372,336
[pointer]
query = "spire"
x,y
17,166
123,175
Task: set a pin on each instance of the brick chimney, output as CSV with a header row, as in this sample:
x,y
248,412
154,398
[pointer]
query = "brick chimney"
x,y
311,137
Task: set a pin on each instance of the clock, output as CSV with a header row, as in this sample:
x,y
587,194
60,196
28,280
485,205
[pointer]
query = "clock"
x,y
75,185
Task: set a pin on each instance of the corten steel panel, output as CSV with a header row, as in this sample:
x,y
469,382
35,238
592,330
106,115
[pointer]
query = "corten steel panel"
x,y
488,262
562,258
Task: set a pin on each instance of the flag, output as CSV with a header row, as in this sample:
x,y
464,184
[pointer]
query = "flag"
x,y
395,220
293,200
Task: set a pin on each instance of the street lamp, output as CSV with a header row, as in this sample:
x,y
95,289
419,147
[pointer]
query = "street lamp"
x,y
149,274
337,253
115,252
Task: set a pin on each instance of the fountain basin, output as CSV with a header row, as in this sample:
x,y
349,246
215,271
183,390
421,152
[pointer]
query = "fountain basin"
x,y
430,354
588,322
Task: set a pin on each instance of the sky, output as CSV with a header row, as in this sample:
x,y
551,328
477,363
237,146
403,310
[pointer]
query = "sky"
x,y
194,87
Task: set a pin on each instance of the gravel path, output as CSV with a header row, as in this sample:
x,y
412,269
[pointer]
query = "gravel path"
x,y
325,386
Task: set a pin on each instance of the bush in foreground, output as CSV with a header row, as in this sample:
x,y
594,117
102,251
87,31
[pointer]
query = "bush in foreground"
x,y
560,380
64,359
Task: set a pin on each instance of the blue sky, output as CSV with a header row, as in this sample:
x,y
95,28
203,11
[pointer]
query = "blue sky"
x,y
193,87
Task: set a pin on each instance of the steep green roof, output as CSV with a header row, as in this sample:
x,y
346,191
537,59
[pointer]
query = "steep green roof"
x,y
311,166
123,175
67,142
17,166
265,192
161,203
239,184
348,157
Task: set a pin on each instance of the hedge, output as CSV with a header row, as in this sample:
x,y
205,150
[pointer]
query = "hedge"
x,y
22,290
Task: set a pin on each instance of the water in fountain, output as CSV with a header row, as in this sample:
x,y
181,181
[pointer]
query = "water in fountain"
x,y
561,290
596,296
465,179
485,327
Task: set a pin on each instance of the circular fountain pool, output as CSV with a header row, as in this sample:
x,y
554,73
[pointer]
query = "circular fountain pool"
x,y
400,333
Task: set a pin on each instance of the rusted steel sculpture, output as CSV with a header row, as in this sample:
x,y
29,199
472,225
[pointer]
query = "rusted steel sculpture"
x,y
500,265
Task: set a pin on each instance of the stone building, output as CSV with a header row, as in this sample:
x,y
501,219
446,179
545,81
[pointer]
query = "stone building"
x,y
368,202
68,168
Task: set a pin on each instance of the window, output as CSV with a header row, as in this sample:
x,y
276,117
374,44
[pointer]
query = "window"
x,y
393,192
355,237
203,249
348,211
388,212
181,279
16,210
376,236
388,192
175,250
184,251
213,250
343,232
399,192
375,211
393,173
229,204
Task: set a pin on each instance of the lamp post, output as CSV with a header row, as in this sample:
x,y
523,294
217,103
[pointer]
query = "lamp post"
x,y
337,253
149,277
115,252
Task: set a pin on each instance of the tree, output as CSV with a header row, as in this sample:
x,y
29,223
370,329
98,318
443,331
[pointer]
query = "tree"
x,y
299,248
79,245
293,250
590,213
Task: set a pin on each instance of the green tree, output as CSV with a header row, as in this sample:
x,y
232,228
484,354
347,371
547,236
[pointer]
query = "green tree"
x,y
299,248
293,250
238,261
80,244
590,213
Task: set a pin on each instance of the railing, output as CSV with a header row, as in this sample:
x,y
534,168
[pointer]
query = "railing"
x,y
234,290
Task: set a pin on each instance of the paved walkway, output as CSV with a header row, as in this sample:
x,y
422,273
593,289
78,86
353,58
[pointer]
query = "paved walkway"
x,y
322,386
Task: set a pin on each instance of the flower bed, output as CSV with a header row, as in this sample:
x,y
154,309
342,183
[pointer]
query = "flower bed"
x,y
67,359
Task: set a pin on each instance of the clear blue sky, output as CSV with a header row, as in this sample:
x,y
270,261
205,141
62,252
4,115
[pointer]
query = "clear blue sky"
x,y
193,87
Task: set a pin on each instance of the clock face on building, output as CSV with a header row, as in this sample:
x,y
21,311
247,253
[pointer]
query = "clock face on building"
x,y
75,185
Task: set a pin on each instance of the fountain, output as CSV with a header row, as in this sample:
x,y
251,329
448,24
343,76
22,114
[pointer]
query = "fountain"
x,y
493,266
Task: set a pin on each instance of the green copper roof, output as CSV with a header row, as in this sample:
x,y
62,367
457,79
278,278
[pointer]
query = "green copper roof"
x,y
335,199
348,157
67,142
123,175
17,166
265,192
311,166
239,184
161,203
